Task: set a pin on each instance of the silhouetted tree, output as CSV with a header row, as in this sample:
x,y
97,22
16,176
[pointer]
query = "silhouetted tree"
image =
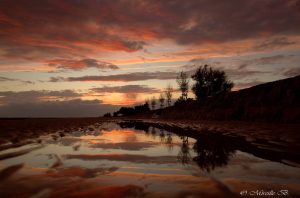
x,y
183,83
107,115
153,102
147,101
127,111
210,82
161,100
169,94
142,108
180,101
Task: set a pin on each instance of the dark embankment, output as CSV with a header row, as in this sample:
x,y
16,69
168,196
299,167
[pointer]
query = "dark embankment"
x,y
277,101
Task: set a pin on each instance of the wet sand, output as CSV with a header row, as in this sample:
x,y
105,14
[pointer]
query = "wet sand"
x,y
17,130
144,158
275,139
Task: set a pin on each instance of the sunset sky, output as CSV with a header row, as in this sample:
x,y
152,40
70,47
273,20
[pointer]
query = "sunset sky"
x,y
86,57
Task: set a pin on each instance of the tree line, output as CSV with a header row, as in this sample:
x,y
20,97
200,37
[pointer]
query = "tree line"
x,y
208,83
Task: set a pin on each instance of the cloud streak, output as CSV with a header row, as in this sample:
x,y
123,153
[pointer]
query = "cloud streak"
x,y
4,79
273,43
11,97
137,76
82,64
292,72
69,108
126,89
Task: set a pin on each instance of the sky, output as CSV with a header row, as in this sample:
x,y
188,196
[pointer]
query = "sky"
x,y
78,58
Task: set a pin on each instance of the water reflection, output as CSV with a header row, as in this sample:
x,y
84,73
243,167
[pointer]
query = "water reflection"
x,y
210,154
169,141
153,132
138,161
211,151
137,126
162,135
184,155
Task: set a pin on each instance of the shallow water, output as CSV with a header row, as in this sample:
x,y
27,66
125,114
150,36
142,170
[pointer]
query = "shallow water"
x,y
111,161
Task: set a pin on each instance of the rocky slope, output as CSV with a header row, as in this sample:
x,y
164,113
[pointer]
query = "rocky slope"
x,y
277,101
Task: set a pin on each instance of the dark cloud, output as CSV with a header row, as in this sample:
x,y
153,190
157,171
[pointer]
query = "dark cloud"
x,y
273,43
243,66
263,61
57,79
135,45
4,79
65,103
126,89
27,52
270,59
69,108
138,76
243,85
241,74
246,66
292,72
235,74
242,63
8,97
81,64
36,29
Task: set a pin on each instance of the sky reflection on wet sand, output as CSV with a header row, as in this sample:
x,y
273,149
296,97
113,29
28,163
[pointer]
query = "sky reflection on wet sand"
x,y
108,161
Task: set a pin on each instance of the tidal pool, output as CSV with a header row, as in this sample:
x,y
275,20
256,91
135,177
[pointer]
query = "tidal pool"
x,y
112,160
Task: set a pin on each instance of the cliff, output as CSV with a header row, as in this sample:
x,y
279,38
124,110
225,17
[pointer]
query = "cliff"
x,y
277,101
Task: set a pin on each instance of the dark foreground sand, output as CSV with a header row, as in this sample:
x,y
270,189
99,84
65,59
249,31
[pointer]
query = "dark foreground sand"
x,y
276,142
20,129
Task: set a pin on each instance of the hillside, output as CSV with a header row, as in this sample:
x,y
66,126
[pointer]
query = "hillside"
x,y
277,101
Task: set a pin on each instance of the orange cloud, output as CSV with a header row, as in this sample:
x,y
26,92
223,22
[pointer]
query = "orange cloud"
x,y
89,26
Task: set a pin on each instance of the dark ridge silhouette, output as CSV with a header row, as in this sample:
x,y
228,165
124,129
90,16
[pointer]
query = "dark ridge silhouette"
x,y
277,101
129,111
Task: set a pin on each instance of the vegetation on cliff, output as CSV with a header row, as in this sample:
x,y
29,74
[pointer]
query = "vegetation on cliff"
x,y
272,102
